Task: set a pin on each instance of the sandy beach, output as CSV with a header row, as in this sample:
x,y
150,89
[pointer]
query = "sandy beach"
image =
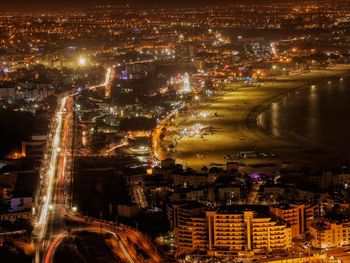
x,y
233,116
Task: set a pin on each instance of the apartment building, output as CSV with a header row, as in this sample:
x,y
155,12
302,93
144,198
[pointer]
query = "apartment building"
x,y
328,234
180,212
299,216
231,230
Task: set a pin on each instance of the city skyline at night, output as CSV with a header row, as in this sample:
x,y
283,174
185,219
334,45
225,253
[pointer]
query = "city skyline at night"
x,y
174,131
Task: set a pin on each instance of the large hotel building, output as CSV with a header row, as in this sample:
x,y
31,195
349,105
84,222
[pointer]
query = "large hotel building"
x,y
232,230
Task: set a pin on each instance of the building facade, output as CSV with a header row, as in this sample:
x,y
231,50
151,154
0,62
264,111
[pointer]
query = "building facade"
x,y
180,212
298,216
328,234
230,231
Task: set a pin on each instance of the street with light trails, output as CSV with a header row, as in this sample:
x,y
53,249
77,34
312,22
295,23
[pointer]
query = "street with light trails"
x,y
53,209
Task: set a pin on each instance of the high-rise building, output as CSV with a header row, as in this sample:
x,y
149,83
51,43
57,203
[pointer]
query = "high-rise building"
x,y
231,230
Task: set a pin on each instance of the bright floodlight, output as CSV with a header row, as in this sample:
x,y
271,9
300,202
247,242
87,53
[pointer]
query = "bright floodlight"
x,y
82,61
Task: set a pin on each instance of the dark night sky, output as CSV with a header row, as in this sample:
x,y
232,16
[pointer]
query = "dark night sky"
x,y
53,4
82,3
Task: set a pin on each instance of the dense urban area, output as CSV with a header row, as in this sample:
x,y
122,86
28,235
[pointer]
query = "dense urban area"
x,y
152,134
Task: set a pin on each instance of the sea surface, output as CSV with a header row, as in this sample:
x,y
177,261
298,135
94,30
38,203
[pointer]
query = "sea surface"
x,y
318,115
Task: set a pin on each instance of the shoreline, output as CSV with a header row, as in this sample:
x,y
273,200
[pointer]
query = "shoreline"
x,y
265,105
298,139
241,129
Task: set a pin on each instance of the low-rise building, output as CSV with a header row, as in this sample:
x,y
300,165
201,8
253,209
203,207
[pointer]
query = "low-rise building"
x,y
13,216
192,179
327,234
299,216
134,179
330,203
228,193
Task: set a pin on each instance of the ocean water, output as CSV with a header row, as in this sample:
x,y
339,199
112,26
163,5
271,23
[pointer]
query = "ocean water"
x,y
318,115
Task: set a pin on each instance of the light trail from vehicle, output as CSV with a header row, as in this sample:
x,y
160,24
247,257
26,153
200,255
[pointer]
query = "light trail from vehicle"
x,y
116,147
41,225
121,246
106,82
53,168
49,255
53,246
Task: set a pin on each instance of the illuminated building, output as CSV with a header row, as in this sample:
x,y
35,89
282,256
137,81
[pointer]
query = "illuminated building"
x,y
298,216
180,212
193,179
16,215
124,75
185,51
7,92
186,87
232,230
326,234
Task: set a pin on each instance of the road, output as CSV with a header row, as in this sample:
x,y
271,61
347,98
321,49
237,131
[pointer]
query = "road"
x,y
106,82
125,239
158,150
55,161
118,246
49,169
53,203
51,207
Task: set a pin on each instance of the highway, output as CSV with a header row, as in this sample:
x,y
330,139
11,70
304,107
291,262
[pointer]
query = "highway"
x,y
49,170
52,207
58,137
